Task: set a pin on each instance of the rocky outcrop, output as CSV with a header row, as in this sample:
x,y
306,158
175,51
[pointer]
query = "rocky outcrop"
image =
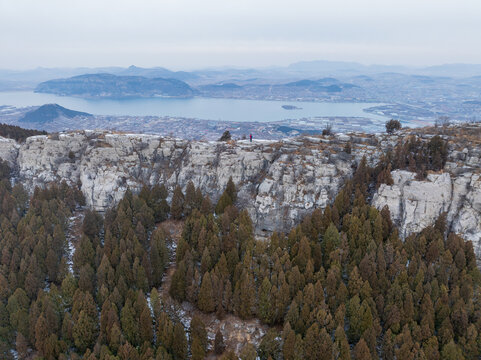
x,y
9,151
416,204
455,190
278,182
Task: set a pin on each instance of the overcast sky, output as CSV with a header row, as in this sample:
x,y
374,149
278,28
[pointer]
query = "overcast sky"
x,y
188,34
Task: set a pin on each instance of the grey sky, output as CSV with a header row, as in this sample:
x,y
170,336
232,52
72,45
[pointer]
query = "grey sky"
x,y
186,34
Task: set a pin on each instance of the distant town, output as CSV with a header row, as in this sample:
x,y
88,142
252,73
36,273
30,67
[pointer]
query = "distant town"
x,y
190,128
415,97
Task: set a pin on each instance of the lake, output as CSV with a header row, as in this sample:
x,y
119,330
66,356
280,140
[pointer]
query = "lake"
x,y
200,108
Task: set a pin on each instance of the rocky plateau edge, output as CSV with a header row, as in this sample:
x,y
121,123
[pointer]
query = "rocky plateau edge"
x,y
279,182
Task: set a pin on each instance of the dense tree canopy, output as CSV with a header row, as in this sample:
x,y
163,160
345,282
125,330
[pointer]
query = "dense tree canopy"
x,y
17,133
340,285
342,282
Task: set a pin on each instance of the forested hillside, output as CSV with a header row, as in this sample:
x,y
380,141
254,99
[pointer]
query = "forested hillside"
x,y
113,86
341,285
17,133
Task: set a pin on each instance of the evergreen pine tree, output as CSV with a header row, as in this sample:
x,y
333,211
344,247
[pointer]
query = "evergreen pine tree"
x,y
231,190
330,242
206,206
219,345
223,203
361,351
265,312
179,344
177,206
190,199
145,325
158,255
158,202
199,334
288,347
325,345
342,351
84,331
130,325
312,346
206,295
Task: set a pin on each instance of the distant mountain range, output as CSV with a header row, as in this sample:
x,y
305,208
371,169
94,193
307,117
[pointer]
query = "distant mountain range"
x,y
35,76
305,88
452,90
20,79
49,112
342,68
156,72
113,86
121,86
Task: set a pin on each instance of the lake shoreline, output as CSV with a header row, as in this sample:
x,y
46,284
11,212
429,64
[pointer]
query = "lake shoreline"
x,y
218,109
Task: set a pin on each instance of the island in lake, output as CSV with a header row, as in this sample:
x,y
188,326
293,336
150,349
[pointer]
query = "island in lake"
x,y
291,107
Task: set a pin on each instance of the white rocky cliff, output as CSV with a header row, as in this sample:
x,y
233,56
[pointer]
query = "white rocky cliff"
x,y
278,182
456,191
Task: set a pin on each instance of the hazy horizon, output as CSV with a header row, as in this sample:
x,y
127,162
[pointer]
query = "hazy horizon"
x,y
186,35
240,67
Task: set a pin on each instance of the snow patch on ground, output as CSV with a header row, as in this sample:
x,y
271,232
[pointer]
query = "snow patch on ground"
x,y
184,315
14,354
149,304
74,224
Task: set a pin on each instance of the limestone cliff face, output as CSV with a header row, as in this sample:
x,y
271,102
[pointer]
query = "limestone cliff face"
x,y
278,182
417,204
456,190
9,151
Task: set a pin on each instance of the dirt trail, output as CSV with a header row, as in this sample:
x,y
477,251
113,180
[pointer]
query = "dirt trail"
x,y
236,332
73,234
174,228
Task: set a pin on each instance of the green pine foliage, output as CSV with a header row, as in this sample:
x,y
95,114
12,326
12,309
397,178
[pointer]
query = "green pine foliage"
x,y
414,155
99,309
228,197
340,285
177,206
17,133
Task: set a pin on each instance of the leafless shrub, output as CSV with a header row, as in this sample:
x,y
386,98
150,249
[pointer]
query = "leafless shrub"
x,y
442,121
327,130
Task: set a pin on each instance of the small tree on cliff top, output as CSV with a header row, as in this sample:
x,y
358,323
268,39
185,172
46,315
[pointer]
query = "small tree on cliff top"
x,y
392,126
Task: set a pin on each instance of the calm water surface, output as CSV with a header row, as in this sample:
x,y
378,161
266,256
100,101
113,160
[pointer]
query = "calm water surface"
x,y
200,108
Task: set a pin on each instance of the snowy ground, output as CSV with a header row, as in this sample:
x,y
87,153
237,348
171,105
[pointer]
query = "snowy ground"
x,y
73,235
14,354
